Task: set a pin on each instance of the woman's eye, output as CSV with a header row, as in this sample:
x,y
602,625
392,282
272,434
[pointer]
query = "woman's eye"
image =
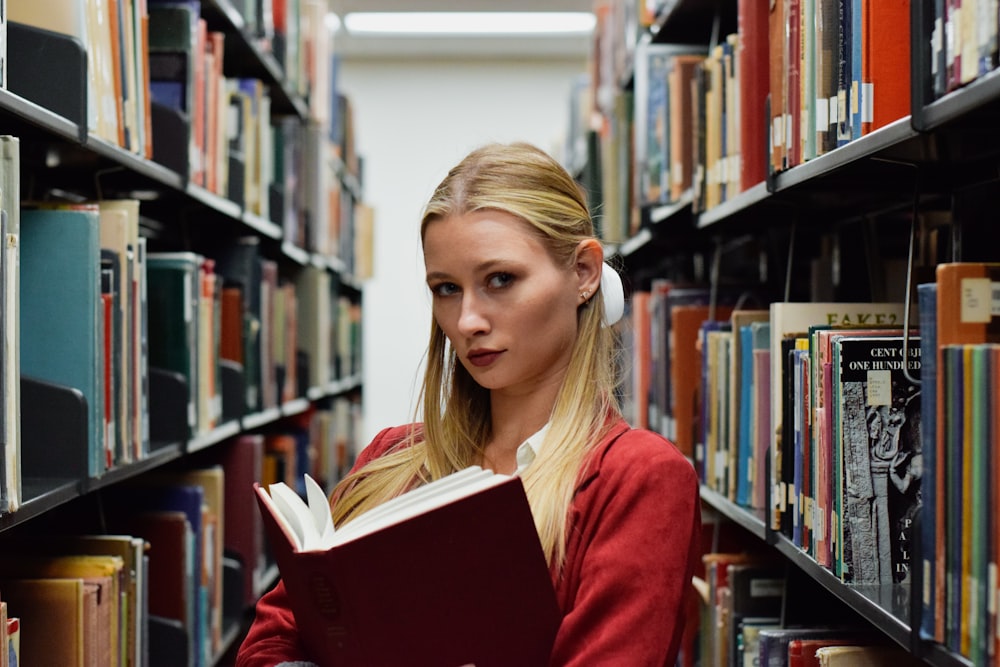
x,y
500,280
444,289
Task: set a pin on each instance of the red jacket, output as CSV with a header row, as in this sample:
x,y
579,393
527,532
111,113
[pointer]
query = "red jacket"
x,y
632,548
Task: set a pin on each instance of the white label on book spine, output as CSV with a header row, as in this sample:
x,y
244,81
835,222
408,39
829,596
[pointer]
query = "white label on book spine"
x,y
867,102
949,34
834,110
935,45
992,588
879,387
822,114
978,304
188,301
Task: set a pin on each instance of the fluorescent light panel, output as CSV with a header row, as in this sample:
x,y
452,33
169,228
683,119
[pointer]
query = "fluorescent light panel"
x,y
469,23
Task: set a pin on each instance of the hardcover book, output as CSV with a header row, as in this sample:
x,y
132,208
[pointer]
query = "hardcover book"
x,y
417,562
879,423
61,327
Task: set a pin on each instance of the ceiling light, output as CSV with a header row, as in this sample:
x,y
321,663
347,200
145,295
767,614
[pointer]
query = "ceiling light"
x,y
332,22
470,23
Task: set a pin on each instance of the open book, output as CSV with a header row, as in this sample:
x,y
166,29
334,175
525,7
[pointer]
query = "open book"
x,y
451,573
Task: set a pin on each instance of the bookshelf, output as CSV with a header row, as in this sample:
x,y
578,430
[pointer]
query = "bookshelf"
x,y
901,199
309,388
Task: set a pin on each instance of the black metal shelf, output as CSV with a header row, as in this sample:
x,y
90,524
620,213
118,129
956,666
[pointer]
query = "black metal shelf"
x,y
22,117
750,520
42,495
978,95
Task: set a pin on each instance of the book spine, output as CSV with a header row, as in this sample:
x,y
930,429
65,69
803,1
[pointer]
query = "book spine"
x,y
927,304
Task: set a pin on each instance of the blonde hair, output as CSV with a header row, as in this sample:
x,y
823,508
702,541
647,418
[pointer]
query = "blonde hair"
x,y
523,181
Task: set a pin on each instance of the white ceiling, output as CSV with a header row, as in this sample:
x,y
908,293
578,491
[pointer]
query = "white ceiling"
x,y
531,47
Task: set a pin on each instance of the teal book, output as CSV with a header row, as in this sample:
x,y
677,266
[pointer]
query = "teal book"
x,y
172,295
977,543
62,327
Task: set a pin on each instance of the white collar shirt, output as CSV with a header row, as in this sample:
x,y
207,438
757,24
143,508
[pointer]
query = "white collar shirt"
x,y
528,450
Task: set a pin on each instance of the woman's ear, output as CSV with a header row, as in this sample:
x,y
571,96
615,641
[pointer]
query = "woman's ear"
x,y
589,261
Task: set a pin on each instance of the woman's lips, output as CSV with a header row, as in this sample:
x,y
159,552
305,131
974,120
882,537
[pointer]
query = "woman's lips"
x,y
483,357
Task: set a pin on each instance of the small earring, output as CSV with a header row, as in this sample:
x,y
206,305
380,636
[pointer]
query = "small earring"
x,y
584,295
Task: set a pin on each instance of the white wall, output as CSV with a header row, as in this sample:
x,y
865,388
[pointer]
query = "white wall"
x,y
413,121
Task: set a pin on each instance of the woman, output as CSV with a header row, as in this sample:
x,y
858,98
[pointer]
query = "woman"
x,y
521,379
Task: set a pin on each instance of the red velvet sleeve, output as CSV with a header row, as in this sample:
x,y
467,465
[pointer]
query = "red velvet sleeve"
x,y
273,638
631,552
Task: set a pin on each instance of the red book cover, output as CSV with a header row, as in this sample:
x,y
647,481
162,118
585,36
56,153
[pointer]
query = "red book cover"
x,y
169,536
641,363
885,62
242,460
752,25
231,325
685,369
425,573
279,8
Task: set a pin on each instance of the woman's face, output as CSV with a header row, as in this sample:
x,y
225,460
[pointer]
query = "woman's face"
x,y
509,311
